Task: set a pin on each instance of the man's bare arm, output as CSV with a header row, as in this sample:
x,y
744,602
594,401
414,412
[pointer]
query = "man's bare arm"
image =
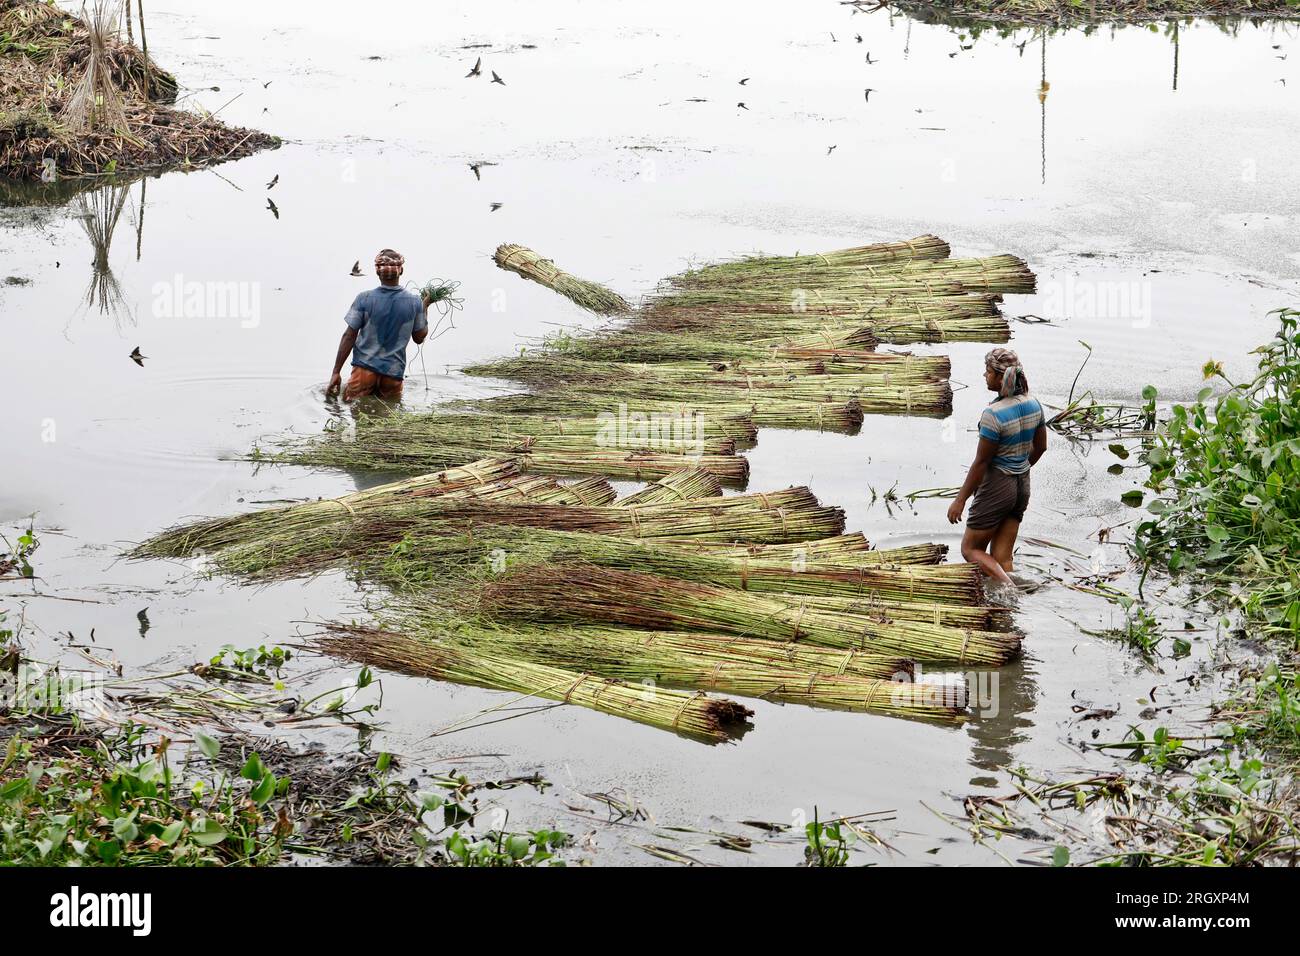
x,y
419,336
979,468
348,340
1040,444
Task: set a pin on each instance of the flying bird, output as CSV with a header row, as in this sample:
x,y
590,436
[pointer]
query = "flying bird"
x,y
275,179
871,62
356,268
271,206
867,94
832,149
476,69
744,81
267,83
479,165
496,206
497,79
858,37
742,106
137,357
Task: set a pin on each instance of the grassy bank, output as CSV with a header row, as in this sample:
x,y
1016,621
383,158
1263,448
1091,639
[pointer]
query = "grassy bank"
x,y
1090,11
179,770
78,100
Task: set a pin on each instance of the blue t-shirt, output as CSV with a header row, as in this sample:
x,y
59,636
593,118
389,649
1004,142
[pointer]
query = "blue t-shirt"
x,y
385,318
1011,422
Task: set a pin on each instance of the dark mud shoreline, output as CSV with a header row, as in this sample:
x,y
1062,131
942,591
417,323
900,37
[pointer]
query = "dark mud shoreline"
x,y
44,52
1066,13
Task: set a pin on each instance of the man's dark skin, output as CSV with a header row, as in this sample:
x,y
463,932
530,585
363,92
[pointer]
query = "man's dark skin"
x,y
976,544
349,339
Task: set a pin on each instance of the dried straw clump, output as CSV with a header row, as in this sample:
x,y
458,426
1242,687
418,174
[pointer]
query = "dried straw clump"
x,y
96,101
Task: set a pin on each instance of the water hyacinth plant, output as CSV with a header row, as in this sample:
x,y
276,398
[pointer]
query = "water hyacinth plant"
x,y
1225,472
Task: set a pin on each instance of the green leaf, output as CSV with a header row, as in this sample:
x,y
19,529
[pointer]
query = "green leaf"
x,y
1118,450
208,833
1217,532
253,769
209,746
1149,393
264,789
1131,498
172,832
1061,856
517,846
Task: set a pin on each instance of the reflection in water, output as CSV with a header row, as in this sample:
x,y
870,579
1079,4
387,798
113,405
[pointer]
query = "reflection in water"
x,y
1175,56
98,211
1043,87
997,733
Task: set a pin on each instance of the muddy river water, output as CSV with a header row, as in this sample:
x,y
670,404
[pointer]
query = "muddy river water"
x,y
1147,176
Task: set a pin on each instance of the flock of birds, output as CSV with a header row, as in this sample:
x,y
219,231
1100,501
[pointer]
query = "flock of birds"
x,y
476,71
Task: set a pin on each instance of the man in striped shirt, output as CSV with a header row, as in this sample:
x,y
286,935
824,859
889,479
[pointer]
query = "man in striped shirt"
x,y
1013,436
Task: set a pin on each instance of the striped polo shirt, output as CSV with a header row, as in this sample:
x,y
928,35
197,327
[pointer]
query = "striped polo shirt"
x,y
1011,422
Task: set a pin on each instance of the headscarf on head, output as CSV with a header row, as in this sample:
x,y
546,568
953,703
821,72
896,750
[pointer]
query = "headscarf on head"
x,y
1008,364
388,264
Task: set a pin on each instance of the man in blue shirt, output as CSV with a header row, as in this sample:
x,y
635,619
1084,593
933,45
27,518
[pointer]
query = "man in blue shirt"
x,y
380,324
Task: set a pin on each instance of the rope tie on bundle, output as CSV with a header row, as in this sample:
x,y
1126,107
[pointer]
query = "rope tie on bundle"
x,y
687,704
574,686
803,606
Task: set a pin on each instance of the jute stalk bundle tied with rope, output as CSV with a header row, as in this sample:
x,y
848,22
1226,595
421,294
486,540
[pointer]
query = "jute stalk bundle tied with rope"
x,y
679,486
847,551
841,680
576,594
217,533
696,715
937,594
794,267
589,295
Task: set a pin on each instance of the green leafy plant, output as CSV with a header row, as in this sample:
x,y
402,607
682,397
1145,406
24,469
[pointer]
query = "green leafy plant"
x,y
828,843
1225,472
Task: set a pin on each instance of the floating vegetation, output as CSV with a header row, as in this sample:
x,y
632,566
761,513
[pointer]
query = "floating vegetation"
x,y
1226,477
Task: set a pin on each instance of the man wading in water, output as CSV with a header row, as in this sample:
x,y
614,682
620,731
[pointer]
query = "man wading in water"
x,y
380,324
1013,437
